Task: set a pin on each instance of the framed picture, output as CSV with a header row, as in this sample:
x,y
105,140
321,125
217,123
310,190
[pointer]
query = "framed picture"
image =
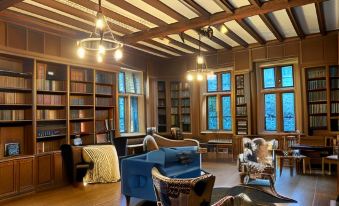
x,y
12,149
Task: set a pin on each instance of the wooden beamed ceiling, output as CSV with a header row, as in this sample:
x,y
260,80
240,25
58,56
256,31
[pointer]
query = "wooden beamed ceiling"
x,y
164,28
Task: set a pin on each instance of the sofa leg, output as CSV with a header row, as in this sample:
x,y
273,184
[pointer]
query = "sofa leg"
x,y
128,199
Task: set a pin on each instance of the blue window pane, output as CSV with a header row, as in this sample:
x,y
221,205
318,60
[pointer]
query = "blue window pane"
x,y
288,112
121,82
270,112
130,84
212,116
226,81
287,76
122,114
212,83
134,115
226,113
269,78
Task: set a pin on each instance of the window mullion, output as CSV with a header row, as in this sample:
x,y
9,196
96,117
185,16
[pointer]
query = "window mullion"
x,y
279,112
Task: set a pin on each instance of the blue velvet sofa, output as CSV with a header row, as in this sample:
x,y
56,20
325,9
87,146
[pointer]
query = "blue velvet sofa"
x,y
178,162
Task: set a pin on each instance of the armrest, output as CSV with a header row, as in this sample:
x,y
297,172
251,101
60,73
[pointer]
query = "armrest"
x,y
193,141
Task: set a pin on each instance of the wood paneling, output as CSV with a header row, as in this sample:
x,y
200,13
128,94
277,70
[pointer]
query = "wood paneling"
x,y
52,45
7,178
3,33
58,169
275,52
225,58
312,51
44,171
258,53
242,60
35,41
68,48
16,36
330,49
26,174
291,49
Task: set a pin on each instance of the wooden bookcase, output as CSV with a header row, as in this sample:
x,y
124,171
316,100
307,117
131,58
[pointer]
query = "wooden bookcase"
x,y
241,116
185,107
175,105
161,107
322,85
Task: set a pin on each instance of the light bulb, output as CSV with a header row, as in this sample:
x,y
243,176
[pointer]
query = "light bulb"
x,y
99,58
81,52
99,23
189,77
200,60
118,54
101,49
223,29
200,77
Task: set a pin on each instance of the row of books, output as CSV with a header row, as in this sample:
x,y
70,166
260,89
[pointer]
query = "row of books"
x,y
239,81
240,92
317,108
317,73
104,125
162,119
161,95
101,114
12,115
102,101
185,102
174,94
185,94
186,119
161,86
47,146
51,85
161,103
335,83
335,95
175,102
81,113
317,84
102,89
185,110
241,111
318,121
161,111
81,75
317,96
175,86
15,82
51,99
174,120
241,100
50,131
48,114
335,108
15,98
104,78
81,100
174,110
81,87
81,127
334,72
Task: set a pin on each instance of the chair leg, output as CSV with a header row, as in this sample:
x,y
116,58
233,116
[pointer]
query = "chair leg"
x,y
323,166
128,199
281,162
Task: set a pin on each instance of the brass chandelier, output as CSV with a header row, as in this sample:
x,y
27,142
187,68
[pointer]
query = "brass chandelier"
x,y
101,40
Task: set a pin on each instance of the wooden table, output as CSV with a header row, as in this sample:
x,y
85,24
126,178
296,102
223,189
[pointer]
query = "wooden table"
x,y
218,145
293,160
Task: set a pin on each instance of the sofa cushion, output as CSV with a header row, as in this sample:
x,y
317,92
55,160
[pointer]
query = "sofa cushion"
x,y
157,156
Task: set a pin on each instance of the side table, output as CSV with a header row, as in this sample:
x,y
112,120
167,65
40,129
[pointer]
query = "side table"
x,y
293,160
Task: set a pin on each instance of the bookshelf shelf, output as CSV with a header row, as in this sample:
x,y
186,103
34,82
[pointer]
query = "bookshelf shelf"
x,y
241,118
81,93
51,120
12,89
82,119
51,92
15,121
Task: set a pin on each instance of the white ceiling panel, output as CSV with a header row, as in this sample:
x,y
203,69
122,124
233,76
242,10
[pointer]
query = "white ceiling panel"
x,y
205,40
239,3
153,11
177,38
260,27
210,6
179,7
236,28
147,51
158,48
224,38
283,23
307,17
164,42
332,14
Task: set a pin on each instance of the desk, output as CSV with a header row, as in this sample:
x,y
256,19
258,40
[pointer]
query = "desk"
x,y
218,145
293,160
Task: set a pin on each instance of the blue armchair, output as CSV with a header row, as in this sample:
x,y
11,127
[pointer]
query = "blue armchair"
x,y
136,179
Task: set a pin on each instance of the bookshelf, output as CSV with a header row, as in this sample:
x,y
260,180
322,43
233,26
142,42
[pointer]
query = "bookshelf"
x,y
51,106
185,106
16,104
174,91
161,107
241,116
334,101
81,100
105,104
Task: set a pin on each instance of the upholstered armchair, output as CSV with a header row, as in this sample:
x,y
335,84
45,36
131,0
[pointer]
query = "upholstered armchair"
x,y
156,141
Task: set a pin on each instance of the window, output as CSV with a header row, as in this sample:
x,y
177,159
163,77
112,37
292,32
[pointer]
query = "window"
x,y
218,102
278,89
130,98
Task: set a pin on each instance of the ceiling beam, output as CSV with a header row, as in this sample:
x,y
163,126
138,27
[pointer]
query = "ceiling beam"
x,y
225,5
296,24
144,47
167,10
182,45
155,43
272,27
256,3
139,12
196,42
251,31
217,18
236,38
4,4
321,18
195,7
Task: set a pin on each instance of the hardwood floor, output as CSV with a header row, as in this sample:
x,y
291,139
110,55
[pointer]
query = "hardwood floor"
x,y
308,190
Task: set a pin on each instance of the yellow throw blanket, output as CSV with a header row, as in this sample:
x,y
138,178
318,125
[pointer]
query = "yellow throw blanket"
x,y
106,164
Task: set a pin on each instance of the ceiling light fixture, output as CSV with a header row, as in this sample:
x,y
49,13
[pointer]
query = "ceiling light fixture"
x,y
101,40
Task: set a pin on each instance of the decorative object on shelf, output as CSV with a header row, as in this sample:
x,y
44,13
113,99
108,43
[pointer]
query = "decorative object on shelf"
x,y
12,149
201,71
77,140
100,40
